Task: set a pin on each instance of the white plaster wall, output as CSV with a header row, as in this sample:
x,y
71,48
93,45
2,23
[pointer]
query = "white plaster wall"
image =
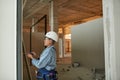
x,y
111,15
88,44
7,39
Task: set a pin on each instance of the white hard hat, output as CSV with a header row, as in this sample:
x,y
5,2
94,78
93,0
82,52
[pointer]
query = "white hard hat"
x,y
52,35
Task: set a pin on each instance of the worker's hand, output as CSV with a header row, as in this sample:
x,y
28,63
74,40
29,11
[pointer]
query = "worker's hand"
x,y
30,56
33,53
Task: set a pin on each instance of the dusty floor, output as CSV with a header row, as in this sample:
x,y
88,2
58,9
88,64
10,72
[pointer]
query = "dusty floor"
x,y
67,72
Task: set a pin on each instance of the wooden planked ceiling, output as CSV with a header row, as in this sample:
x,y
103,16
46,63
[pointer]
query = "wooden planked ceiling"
x,y
69,11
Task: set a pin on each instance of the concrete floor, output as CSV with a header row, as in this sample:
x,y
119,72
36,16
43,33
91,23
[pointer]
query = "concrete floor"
x,y
67,72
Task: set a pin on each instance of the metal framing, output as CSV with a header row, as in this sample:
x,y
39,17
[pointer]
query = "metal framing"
x,y
44,17
19,44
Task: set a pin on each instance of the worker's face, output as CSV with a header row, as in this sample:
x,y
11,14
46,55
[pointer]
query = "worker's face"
x,y
47,42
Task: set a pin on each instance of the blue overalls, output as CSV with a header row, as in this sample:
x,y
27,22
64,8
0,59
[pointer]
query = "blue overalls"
x,y
44,74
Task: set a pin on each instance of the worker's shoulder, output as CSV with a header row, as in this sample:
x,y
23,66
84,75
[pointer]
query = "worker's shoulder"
x,y
51,48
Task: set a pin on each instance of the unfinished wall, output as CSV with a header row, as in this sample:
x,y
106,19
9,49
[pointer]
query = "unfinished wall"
x,y
37,41
88,44
37,46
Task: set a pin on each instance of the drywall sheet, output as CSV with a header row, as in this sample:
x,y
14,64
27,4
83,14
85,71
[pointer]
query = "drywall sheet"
x,y
88,44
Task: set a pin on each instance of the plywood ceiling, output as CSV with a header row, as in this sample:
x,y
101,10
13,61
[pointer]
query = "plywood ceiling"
x,y
68,11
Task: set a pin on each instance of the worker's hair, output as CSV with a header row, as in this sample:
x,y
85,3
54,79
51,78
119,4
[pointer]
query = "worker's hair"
x,y
53,42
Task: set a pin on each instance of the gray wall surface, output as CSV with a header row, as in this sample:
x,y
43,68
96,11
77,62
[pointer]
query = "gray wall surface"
x,y
88,44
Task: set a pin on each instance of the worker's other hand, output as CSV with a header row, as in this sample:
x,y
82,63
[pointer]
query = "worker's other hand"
x,y
29,56
33,53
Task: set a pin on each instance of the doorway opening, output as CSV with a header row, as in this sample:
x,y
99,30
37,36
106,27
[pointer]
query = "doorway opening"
x,y
71,57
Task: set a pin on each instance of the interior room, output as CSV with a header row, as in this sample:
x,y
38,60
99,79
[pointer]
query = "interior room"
x,y
88,44
80,49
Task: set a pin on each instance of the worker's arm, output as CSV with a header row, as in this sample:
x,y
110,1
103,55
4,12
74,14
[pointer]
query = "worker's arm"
x,y
45,58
